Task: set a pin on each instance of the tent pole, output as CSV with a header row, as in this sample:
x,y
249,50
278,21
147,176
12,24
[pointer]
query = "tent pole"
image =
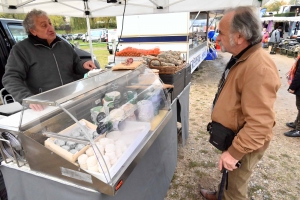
x,y
194,20
90,38
87,16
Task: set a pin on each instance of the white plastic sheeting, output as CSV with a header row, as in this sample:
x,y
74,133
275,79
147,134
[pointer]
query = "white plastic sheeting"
x,y
100,8
281,19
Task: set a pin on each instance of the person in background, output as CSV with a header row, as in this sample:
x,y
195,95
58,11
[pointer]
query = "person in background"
x,y
263,31
297,12
42,61
275,39
265,37
211,33
245,99
294,88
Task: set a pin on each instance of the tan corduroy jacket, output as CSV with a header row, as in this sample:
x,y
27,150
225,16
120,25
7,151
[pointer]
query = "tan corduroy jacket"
x,y
246,101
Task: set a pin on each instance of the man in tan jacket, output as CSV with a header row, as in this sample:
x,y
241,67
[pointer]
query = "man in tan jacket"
x,y
245,99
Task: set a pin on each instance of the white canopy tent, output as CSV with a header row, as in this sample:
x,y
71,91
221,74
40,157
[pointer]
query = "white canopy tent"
x,y
281,19
100,8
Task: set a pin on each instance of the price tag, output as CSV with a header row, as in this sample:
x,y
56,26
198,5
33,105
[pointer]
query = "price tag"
x,y
100,117
101,128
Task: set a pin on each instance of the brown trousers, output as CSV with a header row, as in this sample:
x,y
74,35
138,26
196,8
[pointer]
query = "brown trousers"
x,y
238,179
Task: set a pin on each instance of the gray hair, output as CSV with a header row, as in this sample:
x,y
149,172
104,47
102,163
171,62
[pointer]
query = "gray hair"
x,y
246,22
28,22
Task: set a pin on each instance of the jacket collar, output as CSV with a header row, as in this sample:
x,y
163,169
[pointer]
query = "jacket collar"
x,y
249,52
38,41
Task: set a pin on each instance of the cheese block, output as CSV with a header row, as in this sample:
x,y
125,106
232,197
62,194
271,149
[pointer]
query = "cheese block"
x,y
111,96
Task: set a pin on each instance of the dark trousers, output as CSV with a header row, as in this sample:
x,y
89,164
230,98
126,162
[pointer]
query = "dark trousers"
x,y
274,46
297,121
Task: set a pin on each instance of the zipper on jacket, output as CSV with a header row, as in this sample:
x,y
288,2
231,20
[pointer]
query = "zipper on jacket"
x,y
46,46
40,90
58,69
53,57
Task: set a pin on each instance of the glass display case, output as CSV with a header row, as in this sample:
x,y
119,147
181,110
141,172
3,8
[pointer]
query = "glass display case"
x,y
91,132
198,29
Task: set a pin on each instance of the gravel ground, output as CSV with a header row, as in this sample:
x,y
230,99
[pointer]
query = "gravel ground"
x,y
276,175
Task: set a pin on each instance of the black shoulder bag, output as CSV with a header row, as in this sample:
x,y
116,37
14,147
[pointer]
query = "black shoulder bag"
x,y
220,136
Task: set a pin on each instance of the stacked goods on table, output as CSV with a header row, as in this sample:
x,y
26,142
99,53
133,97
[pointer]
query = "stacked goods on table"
x,y
167,62
166,58
129,51
133,53
171,68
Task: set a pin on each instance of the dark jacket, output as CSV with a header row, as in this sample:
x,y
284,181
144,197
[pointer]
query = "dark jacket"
x,y
295,85
34,66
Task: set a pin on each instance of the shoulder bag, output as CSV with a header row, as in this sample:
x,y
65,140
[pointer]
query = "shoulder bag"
x,y
220,136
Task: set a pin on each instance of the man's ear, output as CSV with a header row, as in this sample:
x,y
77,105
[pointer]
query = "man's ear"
x,y
239,38
32,31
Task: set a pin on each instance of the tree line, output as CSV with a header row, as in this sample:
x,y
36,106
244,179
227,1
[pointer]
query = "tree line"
x,y
276,4
75,23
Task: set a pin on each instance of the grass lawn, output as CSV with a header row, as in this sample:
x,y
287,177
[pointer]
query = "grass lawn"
x,y
99,50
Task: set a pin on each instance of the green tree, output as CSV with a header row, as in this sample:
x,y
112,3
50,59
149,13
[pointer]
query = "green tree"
x,y
275,5
57,21
12,15
96,22
294,2
78,23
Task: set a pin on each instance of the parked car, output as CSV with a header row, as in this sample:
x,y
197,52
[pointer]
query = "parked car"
x,y
77,36
70,37
97,35
12,32
65,36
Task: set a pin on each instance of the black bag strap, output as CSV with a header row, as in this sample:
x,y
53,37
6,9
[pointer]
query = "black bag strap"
x,y
224,181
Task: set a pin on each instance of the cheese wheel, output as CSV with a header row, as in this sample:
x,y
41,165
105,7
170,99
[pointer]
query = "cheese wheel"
x,y
82,159
111,155
110,148
83,166
106,141
91,161
90,151
114,135
93,168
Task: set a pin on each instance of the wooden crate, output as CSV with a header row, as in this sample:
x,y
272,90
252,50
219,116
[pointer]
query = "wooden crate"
x,y
49,144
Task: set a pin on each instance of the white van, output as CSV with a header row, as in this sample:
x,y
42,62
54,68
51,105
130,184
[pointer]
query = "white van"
x,y
97,35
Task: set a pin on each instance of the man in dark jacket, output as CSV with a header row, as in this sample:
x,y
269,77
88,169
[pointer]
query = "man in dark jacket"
x,y
42,61
295,89
275,39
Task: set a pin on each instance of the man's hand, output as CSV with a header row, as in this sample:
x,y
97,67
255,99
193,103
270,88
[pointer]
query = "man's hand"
x,y
291,91
227,161
89,65
36,107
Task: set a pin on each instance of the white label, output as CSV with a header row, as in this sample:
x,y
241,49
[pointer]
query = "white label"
x,y
198,58
97,101
76,175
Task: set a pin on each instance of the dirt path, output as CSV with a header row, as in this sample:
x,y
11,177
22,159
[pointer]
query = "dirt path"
x,y
277,175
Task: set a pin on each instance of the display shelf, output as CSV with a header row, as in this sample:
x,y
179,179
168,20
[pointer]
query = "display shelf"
x,y
98,128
